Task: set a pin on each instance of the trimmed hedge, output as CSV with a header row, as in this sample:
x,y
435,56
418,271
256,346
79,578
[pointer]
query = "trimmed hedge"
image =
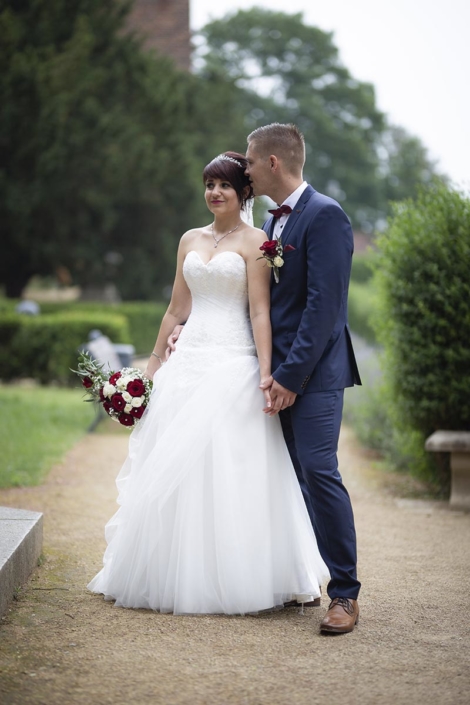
x,y
143,317
423,320
362,302
362,269
144,320
45,347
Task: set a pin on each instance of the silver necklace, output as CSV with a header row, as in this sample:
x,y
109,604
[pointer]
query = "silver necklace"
x,y
221,238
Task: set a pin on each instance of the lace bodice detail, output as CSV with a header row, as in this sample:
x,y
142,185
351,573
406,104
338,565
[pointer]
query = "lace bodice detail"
x,y
219,315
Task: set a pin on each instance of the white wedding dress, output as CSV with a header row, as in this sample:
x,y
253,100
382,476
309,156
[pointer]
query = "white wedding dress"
x,y
211,517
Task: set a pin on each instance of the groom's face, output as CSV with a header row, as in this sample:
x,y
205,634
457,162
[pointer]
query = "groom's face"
x,y
258,170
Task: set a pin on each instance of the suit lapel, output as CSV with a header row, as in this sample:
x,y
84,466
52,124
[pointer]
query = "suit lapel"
x,y
294,216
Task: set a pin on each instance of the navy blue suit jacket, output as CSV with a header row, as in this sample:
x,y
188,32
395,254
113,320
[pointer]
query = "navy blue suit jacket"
x,y
312,349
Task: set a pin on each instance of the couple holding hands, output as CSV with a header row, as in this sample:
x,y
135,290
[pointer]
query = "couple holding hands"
x,y
230,498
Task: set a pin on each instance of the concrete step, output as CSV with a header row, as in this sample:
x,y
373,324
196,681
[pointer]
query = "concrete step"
x,y
20,548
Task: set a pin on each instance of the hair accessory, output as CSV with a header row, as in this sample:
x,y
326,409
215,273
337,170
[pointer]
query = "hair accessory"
x,y
225,158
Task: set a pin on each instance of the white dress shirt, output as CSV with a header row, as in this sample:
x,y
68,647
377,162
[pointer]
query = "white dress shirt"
x,y
290,201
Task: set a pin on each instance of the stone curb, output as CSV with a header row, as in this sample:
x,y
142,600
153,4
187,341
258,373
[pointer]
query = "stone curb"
x,y
20,548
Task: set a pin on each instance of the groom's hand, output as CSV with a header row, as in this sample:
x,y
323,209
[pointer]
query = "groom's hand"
x,y
171,342
281,398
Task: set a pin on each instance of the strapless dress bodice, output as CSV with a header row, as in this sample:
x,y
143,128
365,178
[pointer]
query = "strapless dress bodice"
x,y
219,314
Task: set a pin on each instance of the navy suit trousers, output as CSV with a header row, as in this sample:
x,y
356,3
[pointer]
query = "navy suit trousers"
x,y
311,430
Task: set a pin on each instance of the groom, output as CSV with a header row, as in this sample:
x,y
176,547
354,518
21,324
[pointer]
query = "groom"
x,y
313,359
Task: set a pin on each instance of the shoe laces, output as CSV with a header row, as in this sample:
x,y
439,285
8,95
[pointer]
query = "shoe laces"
x,y
343,602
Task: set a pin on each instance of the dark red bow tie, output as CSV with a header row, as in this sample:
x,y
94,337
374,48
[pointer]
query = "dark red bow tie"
x,y
282,210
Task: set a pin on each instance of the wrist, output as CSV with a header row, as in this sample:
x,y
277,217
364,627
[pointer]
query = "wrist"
x,y
157,356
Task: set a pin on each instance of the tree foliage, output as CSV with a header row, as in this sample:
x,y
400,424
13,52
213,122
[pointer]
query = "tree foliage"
x,y
292,72
93,147
405,165
102,145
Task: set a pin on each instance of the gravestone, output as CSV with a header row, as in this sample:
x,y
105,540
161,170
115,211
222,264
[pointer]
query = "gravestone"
x,y
103,351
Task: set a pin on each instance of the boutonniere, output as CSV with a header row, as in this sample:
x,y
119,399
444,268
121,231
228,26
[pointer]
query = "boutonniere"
x,y
272,252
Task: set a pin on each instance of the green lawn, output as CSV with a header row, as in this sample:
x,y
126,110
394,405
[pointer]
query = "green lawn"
x,y
38,425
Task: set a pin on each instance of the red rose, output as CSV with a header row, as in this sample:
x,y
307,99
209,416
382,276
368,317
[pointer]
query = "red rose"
x,y
118,402
87,382
269,248
137,411
289,248
107,407
136,388
114,378
126,419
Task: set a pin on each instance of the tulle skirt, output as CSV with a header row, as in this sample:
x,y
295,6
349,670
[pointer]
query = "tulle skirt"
x,y
211,517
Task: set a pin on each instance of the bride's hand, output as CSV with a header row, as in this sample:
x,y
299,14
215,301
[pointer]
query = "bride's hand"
x,y
265,386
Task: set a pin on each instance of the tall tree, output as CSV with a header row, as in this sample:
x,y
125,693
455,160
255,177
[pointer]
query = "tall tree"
x,y
292,72
94,152
406,166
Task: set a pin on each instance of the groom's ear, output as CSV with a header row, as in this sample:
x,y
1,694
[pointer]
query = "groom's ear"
x,y
273,162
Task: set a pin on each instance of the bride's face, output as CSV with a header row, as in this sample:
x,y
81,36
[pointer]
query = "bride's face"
x,y
221,197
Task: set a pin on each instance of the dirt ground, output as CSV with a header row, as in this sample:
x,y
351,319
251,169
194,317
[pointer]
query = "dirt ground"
x,y
60,645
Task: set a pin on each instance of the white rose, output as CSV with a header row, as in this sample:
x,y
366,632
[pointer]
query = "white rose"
x,y
122,382
137,401
127,397
278,261
109,390
128,408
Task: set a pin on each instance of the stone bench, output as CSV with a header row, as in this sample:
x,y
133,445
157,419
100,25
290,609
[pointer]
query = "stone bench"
x,y
20,548
457,443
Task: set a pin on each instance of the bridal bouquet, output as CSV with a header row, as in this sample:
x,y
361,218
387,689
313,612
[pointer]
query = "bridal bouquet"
x,y
124,395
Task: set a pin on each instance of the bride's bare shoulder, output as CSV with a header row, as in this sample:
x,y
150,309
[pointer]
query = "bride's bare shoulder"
x,y
254,238
191,235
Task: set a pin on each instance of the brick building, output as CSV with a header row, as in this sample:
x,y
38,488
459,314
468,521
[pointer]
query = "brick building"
x,y
164,24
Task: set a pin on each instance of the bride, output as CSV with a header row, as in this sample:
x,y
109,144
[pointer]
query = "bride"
x,y
211,517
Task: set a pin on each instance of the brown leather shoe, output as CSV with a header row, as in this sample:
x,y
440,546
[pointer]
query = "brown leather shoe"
x,y
342,616
313,603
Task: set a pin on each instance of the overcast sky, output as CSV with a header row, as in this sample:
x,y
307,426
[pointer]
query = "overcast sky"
x,y
415,52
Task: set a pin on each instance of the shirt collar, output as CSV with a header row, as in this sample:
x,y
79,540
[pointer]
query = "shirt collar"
x,y
295,195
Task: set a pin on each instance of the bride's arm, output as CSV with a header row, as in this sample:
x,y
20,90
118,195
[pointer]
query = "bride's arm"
x,y
177,312
259,275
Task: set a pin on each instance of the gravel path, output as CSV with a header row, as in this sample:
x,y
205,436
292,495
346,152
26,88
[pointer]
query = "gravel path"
x,y
60,645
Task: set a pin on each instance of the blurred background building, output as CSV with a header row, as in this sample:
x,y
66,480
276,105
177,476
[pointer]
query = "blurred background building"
x,y
164,25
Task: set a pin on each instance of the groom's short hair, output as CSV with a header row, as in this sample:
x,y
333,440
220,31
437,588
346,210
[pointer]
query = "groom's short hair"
x,y
284,141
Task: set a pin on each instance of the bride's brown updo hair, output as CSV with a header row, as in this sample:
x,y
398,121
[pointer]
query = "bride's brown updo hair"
x,y
230,166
